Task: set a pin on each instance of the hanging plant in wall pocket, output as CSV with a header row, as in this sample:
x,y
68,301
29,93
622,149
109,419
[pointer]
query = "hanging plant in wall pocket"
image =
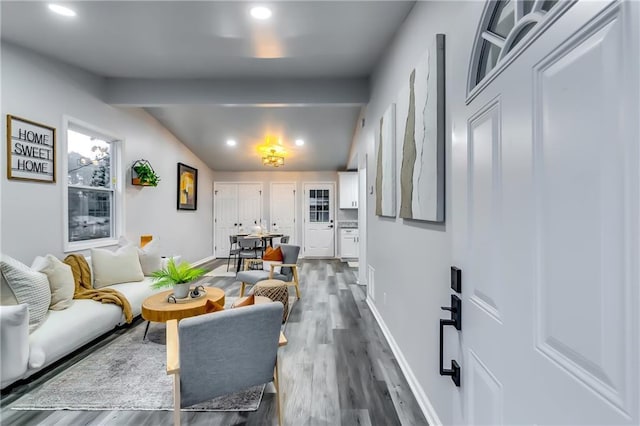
x,y
142,174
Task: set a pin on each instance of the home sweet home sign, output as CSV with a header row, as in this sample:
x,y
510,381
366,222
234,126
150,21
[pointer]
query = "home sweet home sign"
x,y
31,150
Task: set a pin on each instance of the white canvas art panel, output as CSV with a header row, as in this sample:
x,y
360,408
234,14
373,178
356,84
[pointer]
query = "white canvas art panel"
x,y
386,164
422,165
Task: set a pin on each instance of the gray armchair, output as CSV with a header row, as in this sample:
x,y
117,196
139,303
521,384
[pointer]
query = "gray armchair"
x,y
224,352
288,273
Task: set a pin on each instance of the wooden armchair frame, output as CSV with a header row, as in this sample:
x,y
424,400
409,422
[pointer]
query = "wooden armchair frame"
x,y
294,269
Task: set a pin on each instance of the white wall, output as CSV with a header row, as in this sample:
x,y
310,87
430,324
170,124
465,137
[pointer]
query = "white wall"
x,y
43,90
412,259
299,178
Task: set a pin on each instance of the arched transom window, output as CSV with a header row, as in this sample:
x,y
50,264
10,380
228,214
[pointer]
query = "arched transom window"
x,y
504,25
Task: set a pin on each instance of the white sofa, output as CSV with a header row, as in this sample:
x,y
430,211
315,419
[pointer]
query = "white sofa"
x,y
23,354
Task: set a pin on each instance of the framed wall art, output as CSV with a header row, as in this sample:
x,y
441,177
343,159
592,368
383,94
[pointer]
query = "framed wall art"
x,y
421,115
31,150
187,187
386,164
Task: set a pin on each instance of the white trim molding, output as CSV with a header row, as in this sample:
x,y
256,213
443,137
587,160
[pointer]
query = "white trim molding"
x,y
423,401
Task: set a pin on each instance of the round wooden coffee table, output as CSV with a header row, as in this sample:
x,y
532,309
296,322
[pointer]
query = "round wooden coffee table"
x,y
156,308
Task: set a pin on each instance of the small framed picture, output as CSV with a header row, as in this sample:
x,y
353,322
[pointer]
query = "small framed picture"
x,y
187,187
31,150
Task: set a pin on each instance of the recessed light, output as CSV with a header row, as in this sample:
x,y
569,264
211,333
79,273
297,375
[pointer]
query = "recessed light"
x,y
299,142
61,10
260,12
231,142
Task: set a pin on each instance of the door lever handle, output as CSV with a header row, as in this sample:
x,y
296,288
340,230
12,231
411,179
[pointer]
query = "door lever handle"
x,y
456,312
455,321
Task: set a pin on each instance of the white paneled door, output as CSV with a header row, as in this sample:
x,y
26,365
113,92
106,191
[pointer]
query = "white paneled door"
x,y
283,209
237,207
319,226
546,230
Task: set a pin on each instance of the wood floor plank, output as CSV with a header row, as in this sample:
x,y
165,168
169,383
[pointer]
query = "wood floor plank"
x,y
336,370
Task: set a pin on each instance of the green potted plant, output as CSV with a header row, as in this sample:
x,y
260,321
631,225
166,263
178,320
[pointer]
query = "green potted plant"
x,y
144,174
179,277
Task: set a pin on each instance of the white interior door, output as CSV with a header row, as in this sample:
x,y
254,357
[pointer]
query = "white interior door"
x,y
283,209
319,229
249,206
546,230
226,215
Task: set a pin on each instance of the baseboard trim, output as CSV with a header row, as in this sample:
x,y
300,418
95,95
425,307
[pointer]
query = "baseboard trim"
x,y
204,260
423,401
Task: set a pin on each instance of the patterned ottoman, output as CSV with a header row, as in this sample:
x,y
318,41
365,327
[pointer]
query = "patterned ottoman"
x,y
275,290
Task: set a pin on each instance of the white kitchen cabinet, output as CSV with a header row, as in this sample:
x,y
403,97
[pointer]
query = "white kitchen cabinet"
x,y
348,190
349,243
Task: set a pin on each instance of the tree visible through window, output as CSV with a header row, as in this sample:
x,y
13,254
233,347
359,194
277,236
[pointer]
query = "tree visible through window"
x,y
91,191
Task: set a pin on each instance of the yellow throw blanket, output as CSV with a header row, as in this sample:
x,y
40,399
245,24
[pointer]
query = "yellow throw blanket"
x,y
84,289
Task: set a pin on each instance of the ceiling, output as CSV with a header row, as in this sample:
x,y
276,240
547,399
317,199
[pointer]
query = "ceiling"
x,y
207,40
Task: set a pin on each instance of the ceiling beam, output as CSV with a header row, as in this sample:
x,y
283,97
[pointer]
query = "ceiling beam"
x,y
267,92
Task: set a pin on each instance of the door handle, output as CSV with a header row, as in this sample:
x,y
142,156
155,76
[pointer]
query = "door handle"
x,y
274,224
330,226
455,321
235,224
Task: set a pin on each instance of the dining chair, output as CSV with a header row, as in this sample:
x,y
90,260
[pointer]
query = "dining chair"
x,y
224,352
284,239
249,248
234,249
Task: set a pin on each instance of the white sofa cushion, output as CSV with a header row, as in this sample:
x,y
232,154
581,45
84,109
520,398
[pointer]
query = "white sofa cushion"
x,y
28,286
111,267
14,342
67,330
60,280
136,292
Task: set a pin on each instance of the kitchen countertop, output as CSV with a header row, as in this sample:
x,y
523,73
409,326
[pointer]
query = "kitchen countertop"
x,y
348,224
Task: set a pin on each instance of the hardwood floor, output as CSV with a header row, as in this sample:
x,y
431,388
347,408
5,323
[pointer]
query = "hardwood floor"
x,y
336,370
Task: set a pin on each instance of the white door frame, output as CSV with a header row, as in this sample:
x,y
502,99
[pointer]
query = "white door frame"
x,y
295,207
332,212
362,224
215,185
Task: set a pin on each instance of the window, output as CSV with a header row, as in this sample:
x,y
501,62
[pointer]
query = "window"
x,y
92,193
319,205
503,26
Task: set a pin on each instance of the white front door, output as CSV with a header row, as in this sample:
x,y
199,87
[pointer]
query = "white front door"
x,y
319,229
226,215
283,209
546,229
249,206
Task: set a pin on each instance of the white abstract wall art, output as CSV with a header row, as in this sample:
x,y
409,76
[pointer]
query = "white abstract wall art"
x,y
422,132
386,164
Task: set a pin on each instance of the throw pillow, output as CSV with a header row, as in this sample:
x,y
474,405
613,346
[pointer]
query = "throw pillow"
x,y
28,286
80,270
245,301
272,255
121,266
61,280
150,259
212,306
7,297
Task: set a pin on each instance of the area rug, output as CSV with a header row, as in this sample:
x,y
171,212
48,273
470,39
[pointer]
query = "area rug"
x,y
126,374
221,271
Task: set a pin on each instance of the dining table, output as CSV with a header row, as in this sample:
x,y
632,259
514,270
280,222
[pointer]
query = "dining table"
x,y
266,237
